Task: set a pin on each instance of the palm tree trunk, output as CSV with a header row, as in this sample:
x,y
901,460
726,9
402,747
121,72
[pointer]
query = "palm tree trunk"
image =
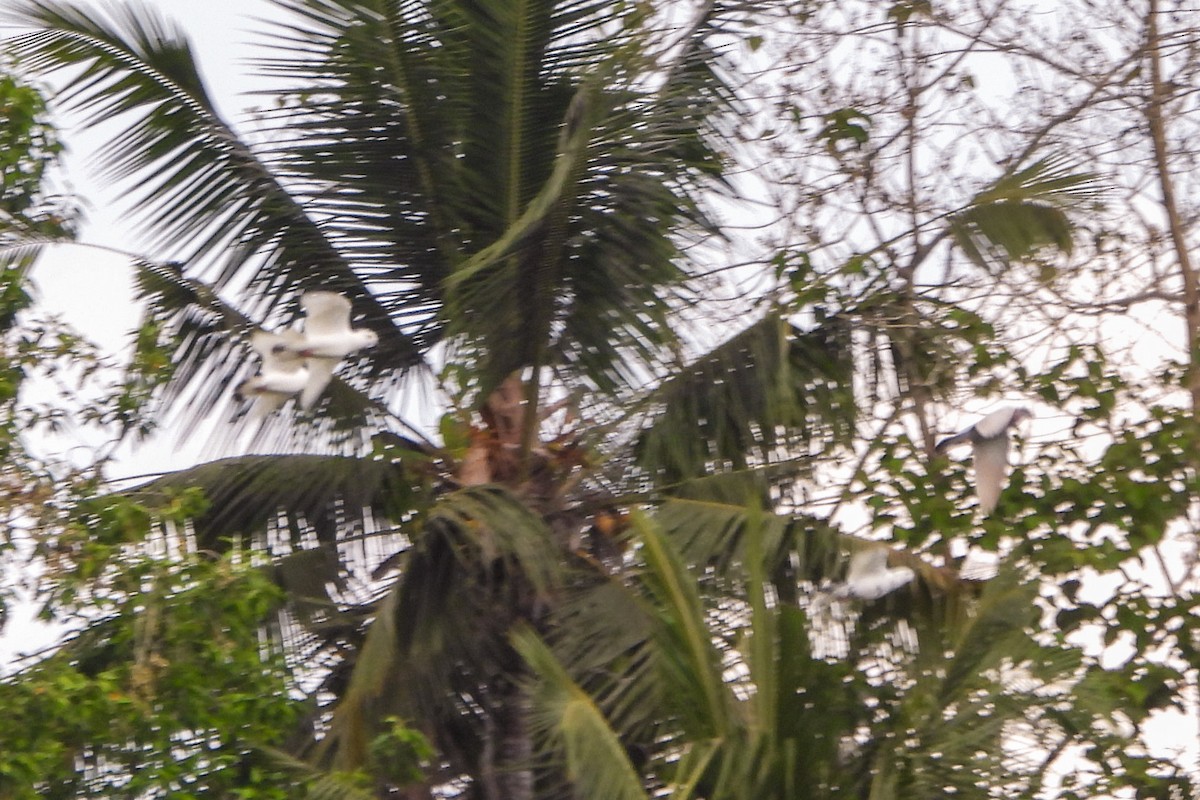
x,y
516,748
505,771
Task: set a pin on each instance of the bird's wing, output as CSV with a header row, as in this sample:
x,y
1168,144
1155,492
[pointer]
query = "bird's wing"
x,y
325,313
242,391
991,468
320,370
950,441
866,563
996,423
881,583
274,359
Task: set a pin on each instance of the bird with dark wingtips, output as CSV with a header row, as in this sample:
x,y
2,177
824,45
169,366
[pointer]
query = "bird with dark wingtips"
x,y
989,442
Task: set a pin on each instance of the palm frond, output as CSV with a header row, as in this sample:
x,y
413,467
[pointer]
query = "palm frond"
x,y
209,342
714,533
762,653
517,327
481,562
688,663
368,120
570,254
1023,211
298,494
408,140
768,387
16,258
980,689
717,732
368,697
1005,613
319,784
597,765
501,526
209,195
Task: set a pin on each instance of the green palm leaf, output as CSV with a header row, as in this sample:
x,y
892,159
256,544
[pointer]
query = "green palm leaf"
x,y
245,493
210,194
480,564
715,532
319,785
1023,211
211,355
688,663
141,66
803,722
746,400
369,696
596,763
427,141
962,706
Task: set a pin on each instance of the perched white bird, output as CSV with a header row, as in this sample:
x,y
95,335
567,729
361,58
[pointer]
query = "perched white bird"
x,y
283,373
327,339
989,439
869,578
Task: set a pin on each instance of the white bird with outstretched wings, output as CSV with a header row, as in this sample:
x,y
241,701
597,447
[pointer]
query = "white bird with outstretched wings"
x,y
869,577
327,339
989,441
283,373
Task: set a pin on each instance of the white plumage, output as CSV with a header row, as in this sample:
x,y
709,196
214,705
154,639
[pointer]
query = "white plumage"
x,y
869,577
989,440
327,339
283,372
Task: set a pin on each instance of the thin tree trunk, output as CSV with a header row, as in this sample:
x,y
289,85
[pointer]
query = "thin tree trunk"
x,y
1159,94
506,763
1175,226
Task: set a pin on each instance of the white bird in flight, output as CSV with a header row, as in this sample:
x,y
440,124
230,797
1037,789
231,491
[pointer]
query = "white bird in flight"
x,y
989,440
327,339
282,375
870,578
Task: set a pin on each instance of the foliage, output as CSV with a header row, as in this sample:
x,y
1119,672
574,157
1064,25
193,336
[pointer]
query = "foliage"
x,y
168,689
895,707
29,150
615,574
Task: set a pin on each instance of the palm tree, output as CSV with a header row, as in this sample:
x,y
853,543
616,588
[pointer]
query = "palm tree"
x,y
501,185
744,696
505,191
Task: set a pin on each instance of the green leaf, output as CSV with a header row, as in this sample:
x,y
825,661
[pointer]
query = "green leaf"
x,y
690,665
596,762
1023,211
845,126
769,385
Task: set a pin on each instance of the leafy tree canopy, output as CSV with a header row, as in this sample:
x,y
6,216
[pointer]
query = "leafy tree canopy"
x,y
610,568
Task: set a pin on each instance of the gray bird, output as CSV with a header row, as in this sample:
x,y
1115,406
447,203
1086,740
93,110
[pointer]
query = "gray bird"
x,y
989,441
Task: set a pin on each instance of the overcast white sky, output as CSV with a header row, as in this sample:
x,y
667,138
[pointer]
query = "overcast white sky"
x,y
91,288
